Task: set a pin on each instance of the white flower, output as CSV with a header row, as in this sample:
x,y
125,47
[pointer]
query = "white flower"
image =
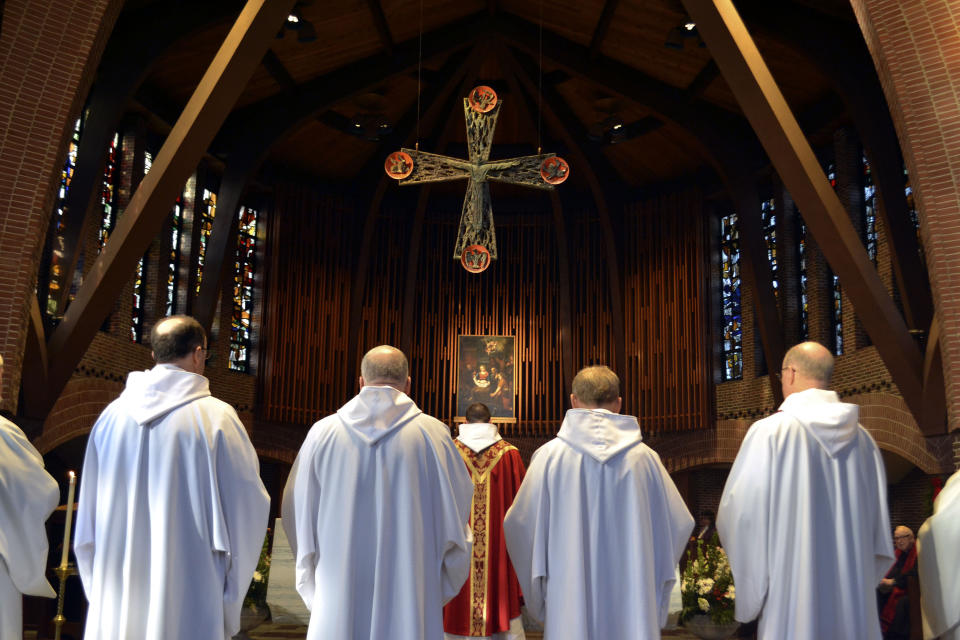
x,y
683,585
731,592
704,586
703,604
257,576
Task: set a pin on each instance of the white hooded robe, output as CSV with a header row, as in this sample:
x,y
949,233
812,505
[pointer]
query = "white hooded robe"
x,y
803,519
938,562
597,530
27,497
172,513
376,509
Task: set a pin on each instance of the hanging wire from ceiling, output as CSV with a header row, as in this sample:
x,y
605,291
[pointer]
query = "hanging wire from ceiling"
x,y
419,74
540,79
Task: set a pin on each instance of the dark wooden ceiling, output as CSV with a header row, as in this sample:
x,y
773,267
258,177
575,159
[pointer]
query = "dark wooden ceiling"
x,y
599,62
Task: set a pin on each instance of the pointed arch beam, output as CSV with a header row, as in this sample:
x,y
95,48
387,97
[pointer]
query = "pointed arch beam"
x,y
205,112
765,107
140,39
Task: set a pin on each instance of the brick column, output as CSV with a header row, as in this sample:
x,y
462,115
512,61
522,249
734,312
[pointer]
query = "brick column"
x,y
49,52
915,59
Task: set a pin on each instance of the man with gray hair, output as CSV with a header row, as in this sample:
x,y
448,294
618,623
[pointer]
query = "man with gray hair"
x,y
376,509
27,497
597,523
803,517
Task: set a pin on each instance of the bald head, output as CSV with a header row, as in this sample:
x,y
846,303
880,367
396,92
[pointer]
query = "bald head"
x,y
596,387
179,340
808,365
385,366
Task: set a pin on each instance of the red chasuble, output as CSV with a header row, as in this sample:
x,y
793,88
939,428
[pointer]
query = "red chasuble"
x,y
491,596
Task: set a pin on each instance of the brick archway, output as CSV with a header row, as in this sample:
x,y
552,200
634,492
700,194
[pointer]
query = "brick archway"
x,y
917,69
49,52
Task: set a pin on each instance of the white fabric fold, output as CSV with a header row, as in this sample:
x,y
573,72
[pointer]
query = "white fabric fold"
x,y
477,436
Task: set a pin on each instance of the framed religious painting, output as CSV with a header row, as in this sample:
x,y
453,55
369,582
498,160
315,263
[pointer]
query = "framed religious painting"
x,y
486,373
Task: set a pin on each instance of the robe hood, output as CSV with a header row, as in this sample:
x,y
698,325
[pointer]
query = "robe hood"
x,y
832,423
599,433
150,395
477,436
376,412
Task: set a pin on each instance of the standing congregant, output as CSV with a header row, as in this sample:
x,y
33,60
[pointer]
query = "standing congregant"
x,y
803,517
938,543
376,511
597,529
488,605
172,511
27,496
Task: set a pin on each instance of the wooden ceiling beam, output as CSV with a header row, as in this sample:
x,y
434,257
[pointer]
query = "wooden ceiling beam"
x,y
141,38
383,29
602,28
767,110
703,79
712,126
278,72
214,97
837,49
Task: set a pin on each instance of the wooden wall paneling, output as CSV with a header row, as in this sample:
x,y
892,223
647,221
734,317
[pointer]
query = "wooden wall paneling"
x,y
308,280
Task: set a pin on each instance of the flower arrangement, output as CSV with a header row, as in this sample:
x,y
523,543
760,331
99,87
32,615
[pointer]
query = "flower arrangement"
x,y
257,593
706,585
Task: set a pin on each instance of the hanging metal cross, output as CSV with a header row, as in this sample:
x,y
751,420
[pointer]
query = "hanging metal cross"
x,y
476,239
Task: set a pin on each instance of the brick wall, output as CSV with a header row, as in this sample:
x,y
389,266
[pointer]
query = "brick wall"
x,y
917,66
48,54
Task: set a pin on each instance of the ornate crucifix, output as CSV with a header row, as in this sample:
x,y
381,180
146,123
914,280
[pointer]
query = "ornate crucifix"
x,y
476,239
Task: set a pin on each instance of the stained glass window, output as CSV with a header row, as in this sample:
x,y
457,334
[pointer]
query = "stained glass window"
x,y
54,284
836,291
208,209
730,279
173,262
108,190
869,211
139,282
768,217
802,276
244,265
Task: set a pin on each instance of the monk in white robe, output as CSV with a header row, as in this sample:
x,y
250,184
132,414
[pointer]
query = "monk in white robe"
x,y
27,497
172,511
803,516
376,509
938,544
597,528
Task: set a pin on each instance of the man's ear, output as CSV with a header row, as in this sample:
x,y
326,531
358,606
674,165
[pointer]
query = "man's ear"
x,y
361,382
574,402
406,388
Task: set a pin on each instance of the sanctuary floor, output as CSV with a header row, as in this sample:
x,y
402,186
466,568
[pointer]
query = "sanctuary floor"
x,y
270,631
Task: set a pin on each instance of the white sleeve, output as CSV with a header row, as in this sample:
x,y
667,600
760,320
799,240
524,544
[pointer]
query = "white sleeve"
x,y
526,532
742,523
301,496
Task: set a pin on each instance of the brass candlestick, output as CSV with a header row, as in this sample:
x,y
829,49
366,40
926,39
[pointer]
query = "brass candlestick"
x,y
63,572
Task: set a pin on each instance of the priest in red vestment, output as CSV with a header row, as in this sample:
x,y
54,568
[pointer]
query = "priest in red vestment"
x,y
488,605
892,597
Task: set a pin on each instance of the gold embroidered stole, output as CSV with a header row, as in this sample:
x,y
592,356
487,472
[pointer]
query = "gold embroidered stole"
x,y
480,465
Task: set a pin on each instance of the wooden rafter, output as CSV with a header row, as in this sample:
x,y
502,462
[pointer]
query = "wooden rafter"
x,y
278,72
603,26
218,90
836,48
763,103
125,62
380,20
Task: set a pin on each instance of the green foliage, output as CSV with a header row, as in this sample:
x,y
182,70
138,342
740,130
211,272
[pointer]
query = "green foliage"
x,y
706,585
257,593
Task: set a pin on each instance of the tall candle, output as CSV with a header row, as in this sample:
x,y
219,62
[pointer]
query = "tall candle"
x,y
66,530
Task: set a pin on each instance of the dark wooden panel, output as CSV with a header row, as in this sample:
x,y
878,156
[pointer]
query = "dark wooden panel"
x,y
668,382
304,343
